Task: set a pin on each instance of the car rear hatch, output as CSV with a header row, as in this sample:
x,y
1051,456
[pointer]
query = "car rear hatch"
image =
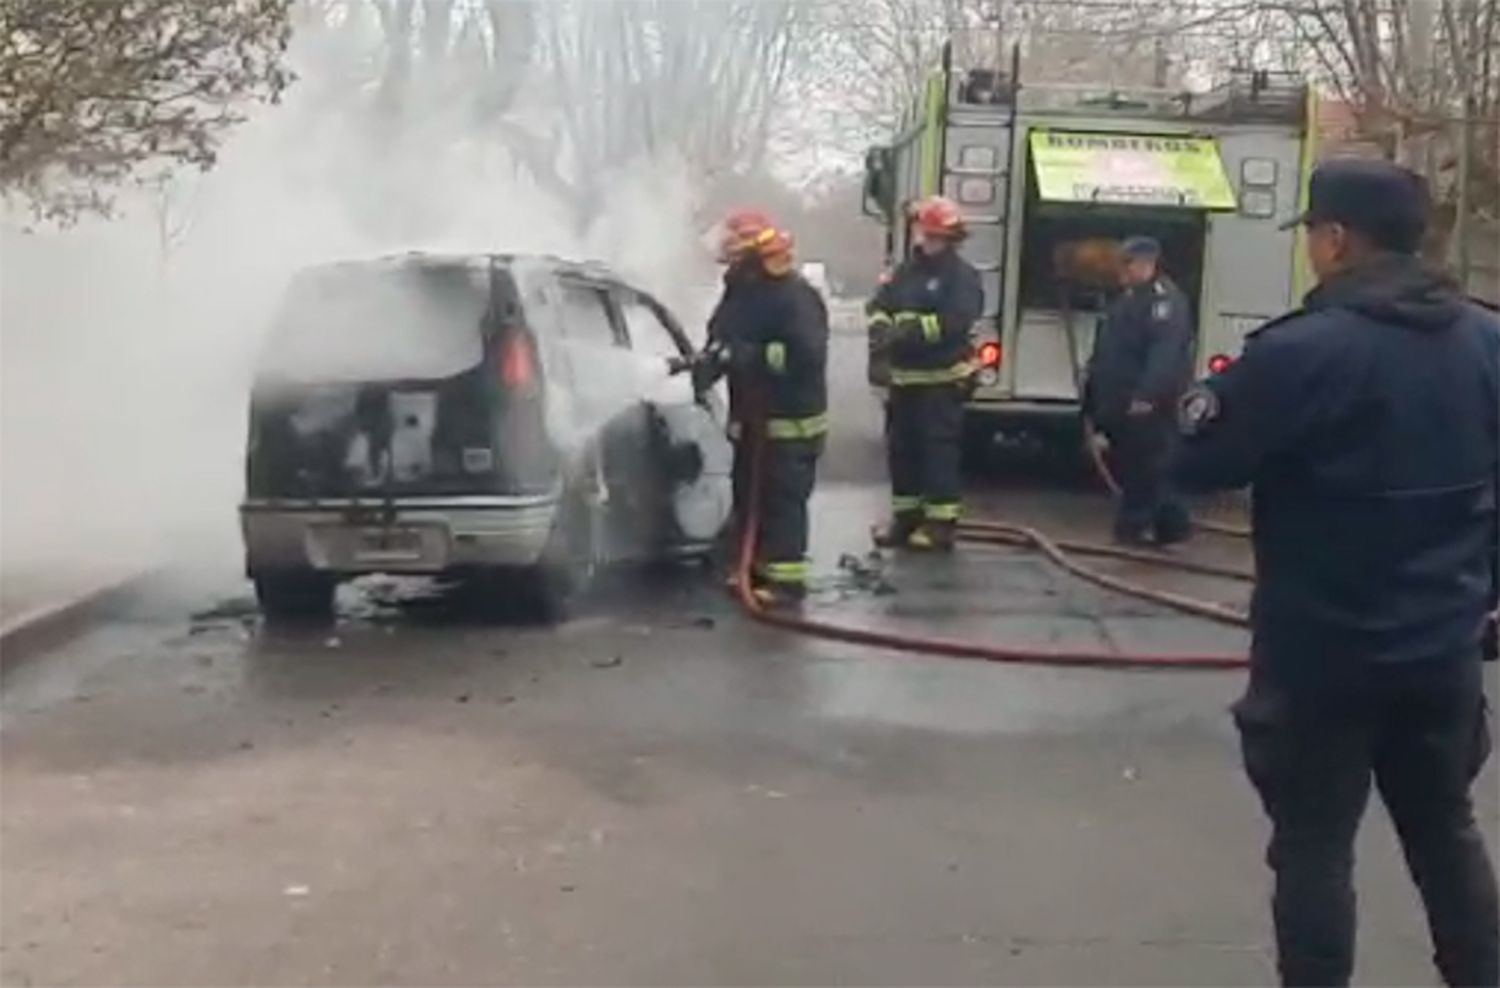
x,y
398,379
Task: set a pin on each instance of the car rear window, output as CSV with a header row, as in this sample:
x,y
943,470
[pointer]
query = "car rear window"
x,y
377,323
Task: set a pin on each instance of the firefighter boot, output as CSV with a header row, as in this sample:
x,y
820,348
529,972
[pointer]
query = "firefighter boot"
x,y
780,596
782,585
898,531
933,536
732,582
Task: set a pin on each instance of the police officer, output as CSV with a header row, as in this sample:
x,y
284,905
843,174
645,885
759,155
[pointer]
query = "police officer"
x,y
1367,423
921,319
1141,364
771,328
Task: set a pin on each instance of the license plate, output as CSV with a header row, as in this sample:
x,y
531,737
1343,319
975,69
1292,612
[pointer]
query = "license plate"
x,y
388,545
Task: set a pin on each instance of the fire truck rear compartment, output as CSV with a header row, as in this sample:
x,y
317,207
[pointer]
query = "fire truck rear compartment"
x,y
1057,318
1048,226
1059,311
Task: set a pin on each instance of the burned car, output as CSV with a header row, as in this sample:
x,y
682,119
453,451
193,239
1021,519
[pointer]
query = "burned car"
x,y
488,417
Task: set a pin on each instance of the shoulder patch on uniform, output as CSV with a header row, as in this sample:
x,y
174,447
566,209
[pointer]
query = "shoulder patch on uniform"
x,y
1196,410
1161,310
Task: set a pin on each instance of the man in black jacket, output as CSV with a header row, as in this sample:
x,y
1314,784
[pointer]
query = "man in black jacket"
x,y
920,322
770,332
1368,424
1141,364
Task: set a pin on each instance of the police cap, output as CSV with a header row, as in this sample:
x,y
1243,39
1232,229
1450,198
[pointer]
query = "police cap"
x,y
1387,203
1141,248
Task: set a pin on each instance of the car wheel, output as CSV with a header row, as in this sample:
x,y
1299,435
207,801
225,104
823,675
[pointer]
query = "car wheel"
x,y
295,596
570,560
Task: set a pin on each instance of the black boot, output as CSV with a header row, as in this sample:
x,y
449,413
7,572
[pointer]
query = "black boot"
x,y
1133,536
1172,524
898,531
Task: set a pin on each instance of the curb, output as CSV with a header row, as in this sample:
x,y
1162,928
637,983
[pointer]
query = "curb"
x,y
32,632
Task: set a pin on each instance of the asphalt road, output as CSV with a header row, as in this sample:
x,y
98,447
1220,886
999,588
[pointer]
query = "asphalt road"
x,y
657,791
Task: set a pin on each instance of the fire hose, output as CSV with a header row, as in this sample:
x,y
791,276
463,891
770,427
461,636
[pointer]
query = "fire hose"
x,y
1003,533
1107,477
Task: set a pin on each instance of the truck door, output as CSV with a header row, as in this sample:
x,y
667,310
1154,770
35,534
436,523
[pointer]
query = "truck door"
x,y
1101,186
1250,260
976,175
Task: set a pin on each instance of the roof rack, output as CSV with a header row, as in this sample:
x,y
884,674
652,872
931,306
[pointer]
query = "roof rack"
x,y
1255,95
477,259
1243,96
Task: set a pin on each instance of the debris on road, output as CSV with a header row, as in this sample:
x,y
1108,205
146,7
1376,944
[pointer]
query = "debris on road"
x,y
613,662
864,575
232,609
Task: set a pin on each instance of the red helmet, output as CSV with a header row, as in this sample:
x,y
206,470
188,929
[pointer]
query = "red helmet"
x,y
747,231
939,216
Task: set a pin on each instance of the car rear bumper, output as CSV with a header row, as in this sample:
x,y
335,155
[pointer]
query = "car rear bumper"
x,y
407,535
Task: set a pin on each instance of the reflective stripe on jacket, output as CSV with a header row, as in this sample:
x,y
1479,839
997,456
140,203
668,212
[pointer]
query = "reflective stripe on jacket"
x,y
777,332
921,319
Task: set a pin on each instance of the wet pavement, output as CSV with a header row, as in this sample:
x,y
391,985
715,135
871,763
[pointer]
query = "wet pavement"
x,y
656,791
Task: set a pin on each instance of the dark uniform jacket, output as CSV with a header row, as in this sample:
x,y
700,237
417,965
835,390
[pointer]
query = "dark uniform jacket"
x,y
922,317
1367,424
775,332
715,357
1143,351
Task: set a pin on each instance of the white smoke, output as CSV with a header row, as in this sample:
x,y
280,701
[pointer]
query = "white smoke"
x,y
125,354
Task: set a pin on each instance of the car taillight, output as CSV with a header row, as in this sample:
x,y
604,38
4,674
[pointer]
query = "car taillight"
x,y
1219,363
517,361
990,354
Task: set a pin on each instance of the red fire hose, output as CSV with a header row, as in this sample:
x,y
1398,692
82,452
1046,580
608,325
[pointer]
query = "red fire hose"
x,y
1101,467
1010,534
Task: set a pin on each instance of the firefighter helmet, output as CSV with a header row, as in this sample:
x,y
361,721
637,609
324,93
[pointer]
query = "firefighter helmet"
x,y
938,216
749,232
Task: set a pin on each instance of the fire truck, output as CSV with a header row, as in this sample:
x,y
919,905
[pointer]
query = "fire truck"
x,y
1049,172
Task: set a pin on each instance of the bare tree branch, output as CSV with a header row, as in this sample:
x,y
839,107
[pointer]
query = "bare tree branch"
x,y
92,91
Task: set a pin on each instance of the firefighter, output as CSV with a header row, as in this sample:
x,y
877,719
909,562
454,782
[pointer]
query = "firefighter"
x,y
921,319
740,265
1367,424
771,328
1141,365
